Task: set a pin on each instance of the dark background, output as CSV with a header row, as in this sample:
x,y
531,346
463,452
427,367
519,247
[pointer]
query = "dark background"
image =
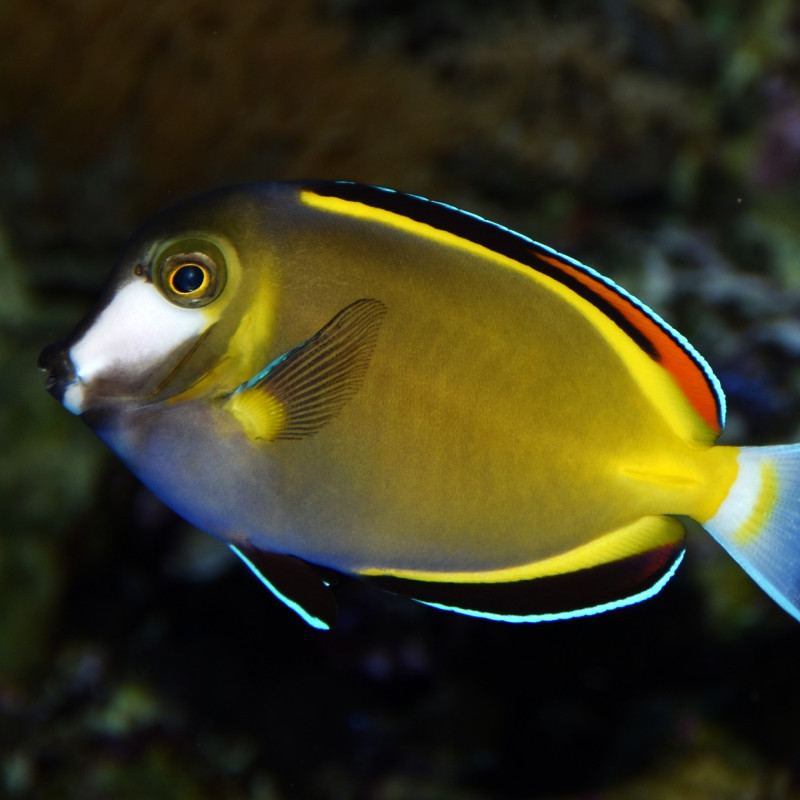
x,y
657,140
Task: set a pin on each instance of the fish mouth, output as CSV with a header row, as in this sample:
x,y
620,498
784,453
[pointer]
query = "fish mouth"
x,y
62,381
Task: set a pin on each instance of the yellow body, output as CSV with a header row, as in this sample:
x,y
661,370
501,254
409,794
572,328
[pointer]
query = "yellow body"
x,y
502,421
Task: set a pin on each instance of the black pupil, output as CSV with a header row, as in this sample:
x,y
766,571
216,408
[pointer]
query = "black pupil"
x,y
188,278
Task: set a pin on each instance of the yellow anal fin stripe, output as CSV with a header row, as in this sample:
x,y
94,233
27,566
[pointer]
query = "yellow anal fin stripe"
x,y
647,533
305,388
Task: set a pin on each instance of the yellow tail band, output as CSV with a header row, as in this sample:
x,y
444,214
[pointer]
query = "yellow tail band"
x,y
758,522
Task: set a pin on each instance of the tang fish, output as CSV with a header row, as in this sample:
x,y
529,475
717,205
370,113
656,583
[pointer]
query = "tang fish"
x,y
330,376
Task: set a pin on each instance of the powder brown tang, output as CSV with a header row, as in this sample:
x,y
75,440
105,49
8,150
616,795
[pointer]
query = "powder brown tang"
x,y
328,375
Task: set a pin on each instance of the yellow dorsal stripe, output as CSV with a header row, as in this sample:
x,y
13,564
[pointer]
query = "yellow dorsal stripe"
x,y
655,382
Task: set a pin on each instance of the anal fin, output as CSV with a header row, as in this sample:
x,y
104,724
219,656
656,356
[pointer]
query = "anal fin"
x,y
294,582
629,575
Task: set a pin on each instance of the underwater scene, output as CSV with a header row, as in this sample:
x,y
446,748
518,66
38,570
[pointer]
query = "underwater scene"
x,y
354,425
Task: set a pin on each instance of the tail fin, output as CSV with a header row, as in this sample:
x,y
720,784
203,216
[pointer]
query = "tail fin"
x,y
758,522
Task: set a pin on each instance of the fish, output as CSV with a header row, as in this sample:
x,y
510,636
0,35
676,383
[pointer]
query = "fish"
x,y
337,378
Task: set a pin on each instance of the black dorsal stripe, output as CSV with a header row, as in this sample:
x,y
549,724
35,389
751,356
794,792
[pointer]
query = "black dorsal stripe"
x,y
486,234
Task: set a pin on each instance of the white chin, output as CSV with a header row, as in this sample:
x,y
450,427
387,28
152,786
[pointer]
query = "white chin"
x,y
73,398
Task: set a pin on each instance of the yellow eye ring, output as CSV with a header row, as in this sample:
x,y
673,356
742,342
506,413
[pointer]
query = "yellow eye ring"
x,y
190,279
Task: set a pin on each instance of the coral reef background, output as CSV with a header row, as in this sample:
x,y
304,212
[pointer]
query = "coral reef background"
x,y
657,140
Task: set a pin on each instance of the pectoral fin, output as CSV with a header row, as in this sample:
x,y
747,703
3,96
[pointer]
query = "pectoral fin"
x,y
306,387
294,582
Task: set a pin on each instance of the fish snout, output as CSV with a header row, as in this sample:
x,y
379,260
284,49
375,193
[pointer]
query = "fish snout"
x,y
55,361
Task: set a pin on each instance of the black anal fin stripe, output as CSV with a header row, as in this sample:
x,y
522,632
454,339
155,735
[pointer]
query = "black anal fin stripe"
x,y
574,594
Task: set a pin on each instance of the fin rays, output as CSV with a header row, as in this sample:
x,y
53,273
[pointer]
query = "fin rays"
x,y
311,383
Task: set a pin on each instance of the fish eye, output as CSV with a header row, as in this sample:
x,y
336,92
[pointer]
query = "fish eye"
x,y
190,279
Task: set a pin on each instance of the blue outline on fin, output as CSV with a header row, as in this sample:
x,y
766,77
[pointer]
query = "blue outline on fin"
x,y
314,622
259,376
580,612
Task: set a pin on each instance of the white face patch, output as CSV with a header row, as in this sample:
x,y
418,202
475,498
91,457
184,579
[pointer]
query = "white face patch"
x,y
136,330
